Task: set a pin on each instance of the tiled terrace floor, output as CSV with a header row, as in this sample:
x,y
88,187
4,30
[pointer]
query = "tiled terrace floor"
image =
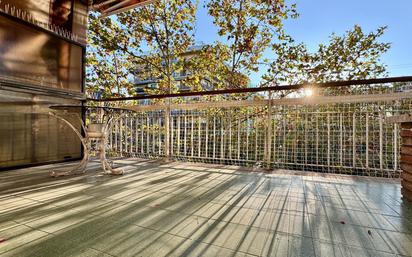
x,y
181,209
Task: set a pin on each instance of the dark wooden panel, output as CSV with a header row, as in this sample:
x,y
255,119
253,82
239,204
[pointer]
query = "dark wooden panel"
x,y
406,159
406,167
406,133
407,141
406,176
407,185
406,150
406,125
406,172
406,194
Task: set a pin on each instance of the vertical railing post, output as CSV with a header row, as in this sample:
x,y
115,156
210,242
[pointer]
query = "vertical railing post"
x,y
296,140
395,147
284,143
306,139
178,135
159,122
191,137
222,137
172,136
137,134
111,138
185,136
147,134
230,138
367,141
381,141
142,135
167,131
274,142
268,141
328,126
317,138
121,136
131,134
199,136
256,138
207,137
238,138
126,121
214,137
152,123
341,139
116,133
247,136
354,140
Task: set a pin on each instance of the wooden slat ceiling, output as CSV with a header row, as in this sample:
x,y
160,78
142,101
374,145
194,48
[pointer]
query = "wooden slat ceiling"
x,y
110,7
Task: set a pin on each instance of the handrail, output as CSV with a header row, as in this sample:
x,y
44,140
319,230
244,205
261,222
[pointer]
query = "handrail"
x,y
332,84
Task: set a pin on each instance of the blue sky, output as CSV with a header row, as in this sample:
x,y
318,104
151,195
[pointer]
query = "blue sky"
x,y
319,18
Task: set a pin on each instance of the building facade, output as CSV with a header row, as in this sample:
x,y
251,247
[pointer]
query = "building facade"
x,y
142,84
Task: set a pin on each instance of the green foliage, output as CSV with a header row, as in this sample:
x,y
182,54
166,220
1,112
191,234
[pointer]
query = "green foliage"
x,y
107,68
153,42
247,28
354,55
152,39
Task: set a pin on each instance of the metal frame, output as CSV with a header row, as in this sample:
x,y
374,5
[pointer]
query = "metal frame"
x,y
316,100
333,133
332,84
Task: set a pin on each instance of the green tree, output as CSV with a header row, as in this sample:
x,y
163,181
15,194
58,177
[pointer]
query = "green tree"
x,y
208,70
353,55
107,71
152,39
247,28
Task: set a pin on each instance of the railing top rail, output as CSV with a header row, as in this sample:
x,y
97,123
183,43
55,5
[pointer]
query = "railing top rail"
x,y
307,101
332,84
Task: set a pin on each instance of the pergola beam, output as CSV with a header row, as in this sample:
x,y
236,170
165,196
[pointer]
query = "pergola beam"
x,y
111,7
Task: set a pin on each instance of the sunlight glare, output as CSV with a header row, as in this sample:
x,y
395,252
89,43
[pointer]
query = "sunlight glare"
x,y
308,92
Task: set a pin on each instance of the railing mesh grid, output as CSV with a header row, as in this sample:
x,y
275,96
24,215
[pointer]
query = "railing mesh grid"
x,y
348,138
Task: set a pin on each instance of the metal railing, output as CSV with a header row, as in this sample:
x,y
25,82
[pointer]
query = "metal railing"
x,y
332,132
